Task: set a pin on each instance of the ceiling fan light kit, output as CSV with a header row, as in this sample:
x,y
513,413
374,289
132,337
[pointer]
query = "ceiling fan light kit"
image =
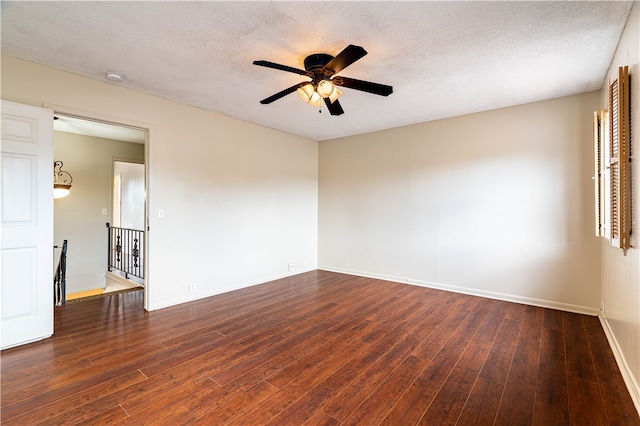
x,y
322,69
309,95
326,89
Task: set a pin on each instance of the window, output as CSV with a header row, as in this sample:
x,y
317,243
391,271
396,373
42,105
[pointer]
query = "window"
x,y
612,183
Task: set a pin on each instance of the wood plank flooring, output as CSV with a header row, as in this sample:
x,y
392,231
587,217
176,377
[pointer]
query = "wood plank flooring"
x,y
318,348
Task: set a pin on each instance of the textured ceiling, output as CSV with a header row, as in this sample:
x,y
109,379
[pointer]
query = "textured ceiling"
x,y
443,59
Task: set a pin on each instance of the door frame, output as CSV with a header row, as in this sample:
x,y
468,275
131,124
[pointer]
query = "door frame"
x,y
150,133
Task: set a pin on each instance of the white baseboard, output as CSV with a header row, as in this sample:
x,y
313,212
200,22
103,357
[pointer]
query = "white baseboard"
x,y
473,292
629,380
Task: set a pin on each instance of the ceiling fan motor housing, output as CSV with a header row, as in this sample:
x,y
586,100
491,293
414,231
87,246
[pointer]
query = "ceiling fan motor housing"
x,y
316,61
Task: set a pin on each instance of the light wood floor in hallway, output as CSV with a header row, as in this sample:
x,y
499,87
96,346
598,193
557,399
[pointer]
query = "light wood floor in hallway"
x,y
318,348
110,288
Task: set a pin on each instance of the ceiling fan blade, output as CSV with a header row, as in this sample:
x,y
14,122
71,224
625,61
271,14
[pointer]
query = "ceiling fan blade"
x,y
364,86
282,93
280,67
334,107
349,55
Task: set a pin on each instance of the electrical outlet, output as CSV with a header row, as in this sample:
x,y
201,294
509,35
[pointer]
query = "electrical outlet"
x,y
192,288
290,267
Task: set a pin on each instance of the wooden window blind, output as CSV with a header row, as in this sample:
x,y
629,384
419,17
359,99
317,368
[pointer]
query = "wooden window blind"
x,y
620,210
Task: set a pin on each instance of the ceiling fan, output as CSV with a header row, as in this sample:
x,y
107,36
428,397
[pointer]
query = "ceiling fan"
x,y
322,69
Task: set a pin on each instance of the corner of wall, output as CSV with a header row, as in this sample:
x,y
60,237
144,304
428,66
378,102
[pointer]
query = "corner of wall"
x,y
625,370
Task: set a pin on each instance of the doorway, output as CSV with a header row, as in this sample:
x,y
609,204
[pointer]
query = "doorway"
x,y
93,151
128,194
126,230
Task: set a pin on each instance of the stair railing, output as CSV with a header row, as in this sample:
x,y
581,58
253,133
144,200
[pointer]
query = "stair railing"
x,y
60,277
125,251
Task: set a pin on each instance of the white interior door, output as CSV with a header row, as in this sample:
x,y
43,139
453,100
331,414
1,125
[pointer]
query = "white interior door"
x,y
128,195
26,224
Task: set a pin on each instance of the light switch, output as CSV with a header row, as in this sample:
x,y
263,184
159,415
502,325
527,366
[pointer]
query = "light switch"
x,y
160,213
104,211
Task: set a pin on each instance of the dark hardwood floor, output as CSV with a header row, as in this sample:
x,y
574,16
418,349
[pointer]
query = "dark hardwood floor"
x,y
317,349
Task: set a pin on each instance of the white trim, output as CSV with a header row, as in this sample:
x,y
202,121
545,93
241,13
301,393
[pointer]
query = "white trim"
x,y
625,370
97,116
473,292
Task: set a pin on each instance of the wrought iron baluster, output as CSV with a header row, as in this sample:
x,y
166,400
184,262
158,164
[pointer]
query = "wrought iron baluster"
x,y
118,248
135,252
127,238
109,245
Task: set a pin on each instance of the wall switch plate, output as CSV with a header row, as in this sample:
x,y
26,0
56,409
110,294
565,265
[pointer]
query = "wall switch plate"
x,y
192,287
104,211
290,267
160,213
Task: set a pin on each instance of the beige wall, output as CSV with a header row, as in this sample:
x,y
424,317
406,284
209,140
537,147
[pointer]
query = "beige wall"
x,y
78,217
498,204
620,272
240,199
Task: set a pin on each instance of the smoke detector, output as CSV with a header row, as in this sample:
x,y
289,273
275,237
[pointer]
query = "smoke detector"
x,y
115,76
